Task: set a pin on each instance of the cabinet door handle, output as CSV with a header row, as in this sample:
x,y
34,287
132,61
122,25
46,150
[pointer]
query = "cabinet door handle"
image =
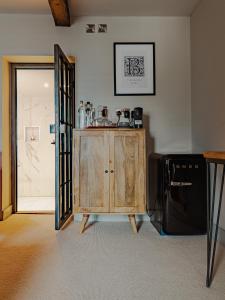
x,y
106,171
111,171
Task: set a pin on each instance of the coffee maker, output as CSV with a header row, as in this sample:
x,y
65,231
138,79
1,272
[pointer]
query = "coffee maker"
x,y
137,116
123,117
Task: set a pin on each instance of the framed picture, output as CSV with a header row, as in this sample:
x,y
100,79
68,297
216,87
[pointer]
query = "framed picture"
x,y
102,28
90,28
134,69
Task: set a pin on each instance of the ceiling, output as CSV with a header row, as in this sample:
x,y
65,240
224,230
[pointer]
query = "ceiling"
x,y
106,7
38,83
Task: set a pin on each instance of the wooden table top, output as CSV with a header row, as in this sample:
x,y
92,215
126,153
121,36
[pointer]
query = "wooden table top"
x,y
220,155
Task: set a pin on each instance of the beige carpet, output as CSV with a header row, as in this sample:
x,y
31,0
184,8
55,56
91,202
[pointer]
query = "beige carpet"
x,y
107,262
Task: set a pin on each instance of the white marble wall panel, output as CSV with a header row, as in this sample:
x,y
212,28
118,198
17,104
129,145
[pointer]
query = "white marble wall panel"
x,y
36,165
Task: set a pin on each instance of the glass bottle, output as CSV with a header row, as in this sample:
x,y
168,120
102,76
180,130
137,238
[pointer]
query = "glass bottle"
x,y
88,114
81,115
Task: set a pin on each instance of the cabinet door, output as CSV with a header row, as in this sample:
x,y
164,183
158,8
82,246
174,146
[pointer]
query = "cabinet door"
x,y
127,172
91,172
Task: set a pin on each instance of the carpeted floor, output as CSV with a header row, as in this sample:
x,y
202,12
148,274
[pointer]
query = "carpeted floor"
x,y
107,262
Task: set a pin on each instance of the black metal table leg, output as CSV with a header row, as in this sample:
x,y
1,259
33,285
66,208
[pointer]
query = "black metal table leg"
x,y
211,246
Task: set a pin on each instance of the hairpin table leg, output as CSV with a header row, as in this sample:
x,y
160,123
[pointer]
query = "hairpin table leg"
x,y
211,246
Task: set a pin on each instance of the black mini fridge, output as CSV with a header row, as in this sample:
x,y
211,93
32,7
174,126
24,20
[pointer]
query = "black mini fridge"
x,y
177,194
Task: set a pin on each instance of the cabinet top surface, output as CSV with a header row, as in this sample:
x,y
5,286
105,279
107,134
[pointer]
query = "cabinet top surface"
x,y
220,155
109,129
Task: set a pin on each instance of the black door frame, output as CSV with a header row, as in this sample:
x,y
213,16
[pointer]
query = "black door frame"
x,y
13,120
64,124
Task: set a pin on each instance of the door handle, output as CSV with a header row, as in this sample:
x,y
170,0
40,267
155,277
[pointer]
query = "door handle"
x,y
180,183
106,171
111,171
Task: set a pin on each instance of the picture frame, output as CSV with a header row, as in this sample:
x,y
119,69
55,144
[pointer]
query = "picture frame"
x,y
90,28
102,28
134,69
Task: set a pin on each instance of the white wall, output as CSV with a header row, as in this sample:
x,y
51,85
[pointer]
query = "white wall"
x,y
169,112
208,78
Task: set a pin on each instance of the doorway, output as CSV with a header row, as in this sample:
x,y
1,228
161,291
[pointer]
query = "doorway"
x,y
62,130
33,91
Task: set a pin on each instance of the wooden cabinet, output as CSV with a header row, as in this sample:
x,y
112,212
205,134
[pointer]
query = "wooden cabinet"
x,y
109,172
91,181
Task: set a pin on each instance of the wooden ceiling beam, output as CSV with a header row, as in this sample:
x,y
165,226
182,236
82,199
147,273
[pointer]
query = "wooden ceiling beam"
x,y
60,12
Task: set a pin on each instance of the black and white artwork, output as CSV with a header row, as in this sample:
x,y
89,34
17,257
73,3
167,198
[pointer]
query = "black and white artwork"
x,y
134,66
102,28
90,28
134,69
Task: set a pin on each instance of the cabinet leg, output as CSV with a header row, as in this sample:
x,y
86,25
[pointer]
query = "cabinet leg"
x,y
83,223
133,223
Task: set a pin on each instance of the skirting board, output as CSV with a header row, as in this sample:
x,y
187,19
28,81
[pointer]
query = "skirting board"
x,y
111,218
6,213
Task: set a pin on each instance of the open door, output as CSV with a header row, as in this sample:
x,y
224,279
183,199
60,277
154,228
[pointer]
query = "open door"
x,y
64,124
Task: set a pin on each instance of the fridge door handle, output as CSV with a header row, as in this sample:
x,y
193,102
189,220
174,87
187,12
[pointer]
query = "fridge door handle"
x,y
180,183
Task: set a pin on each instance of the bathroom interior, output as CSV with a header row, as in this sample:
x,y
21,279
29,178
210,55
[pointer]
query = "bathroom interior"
x,y
35,143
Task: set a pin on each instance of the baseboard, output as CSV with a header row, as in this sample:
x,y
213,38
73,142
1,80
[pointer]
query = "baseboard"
x,y
221,236
4,214
112,218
